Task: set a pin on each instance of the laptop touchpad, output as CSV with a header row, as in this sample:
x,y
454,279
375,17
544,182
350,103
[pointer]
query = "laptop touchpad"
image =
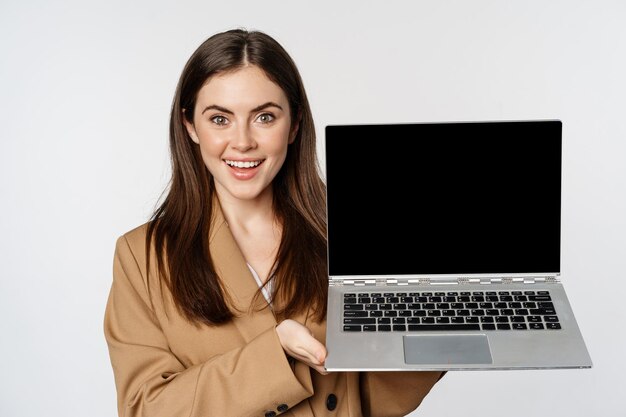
x,y
446,349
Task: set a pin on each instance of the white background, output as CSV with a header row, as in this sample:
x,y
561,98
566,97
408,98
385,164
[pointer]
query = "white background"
x,y
85,90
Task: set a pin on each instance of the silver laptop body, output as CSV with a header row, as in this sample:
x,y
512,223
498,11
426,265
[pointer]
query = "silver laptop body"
x,y
450,232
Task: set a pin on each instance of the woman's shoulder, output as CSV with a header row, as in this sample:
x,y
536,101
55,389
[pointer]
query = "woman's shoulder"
x,y
133,240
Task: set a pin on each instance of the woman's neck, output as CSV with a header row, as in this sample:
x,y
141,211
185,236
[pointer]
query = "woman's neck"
x,y
256,230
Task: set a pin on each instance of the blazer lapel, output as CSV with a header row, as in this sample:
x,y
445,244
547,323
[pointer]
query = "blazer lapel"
x,y
237,280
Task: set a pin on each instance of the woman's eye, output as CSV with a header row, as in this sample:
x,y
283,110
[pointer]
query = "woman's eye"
x,y
219,120
265,118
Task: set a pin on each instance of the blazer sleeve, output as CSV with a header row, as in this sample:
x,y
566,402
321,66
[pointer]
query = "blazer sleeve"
x,y
152,382
395,394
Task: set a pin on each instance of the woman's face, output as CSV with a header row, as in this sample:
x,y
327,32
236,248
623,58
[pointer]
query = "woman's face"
x,y
242,123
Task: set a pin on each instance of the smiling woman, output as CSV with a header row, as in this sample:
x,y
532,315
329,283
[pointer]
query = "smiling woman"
x,y
244,137
218,303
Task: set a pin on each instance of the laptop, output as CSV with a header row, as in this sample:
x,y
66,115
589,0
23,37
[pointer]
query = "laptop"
x,y
444,247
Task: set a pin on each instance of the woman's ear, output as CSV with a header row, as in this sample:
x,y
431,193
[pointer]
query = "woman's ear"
x,y
191,130
294,129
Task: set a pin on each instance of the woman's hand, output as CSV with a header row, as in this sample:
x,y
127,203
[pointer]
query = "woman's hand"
x,y
299,343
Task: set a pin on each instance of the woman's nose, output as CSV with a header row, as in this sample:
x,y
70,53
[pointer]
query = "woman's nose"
x,y
242,139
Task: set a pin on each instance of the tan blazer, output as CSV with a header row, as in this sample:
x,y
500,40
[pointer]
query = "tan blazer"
x,y
165,366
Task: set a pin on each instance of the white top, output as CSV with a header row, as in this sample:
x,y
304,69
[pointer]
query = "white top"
x,y
267,290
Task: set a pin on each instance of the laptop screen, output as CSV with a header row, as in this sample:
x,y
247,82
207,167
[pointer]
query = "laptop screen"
x,y
444,198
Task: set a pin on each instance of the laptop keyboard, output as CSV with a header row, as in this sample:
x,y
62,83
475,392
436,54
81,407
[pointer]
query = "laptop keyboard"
x,y
458,310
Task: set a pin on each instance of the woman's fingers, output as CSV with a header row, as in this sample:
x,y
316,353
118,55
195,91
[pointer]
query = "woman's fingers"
x,y
298,342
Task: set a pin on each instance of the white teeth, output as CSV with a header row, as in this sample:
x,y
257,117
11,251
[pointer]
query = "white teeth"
x,y
241,164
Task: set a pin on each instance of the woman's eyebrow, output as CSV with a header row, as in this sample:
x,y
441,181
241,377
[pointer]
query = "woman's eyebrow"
x,y
265,105
216,107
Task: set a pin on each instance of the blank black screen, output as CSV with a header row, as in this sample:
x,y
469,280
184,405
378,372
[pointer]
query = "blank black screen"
x,y
444,198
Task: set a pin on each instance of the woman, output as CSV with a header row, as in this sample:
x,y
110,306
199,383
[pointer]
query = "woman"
x,y
217,304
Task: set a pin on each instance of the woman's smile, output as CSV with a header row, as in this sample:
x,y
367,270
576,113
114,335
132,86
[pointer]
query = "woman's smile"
x,y
244,169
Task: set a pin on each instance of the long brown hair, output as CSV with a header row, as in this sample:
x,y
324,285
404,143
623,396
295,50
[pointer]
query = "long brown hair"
x,y
180,226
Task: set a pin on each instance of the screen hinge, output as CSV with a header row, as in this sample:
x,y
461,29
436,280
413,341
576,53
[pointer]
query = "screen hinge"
x,y
509,280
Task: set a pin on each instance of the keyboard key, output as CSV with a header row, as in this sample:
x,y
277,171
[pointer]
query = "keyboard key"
x,y
488,326
359,321
553,326
502,326
376,313
355,314
352,328
383,320
405,313
519,326
369,328
539,298
399,328
384,328
550,319
536,326
444,327
352,307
